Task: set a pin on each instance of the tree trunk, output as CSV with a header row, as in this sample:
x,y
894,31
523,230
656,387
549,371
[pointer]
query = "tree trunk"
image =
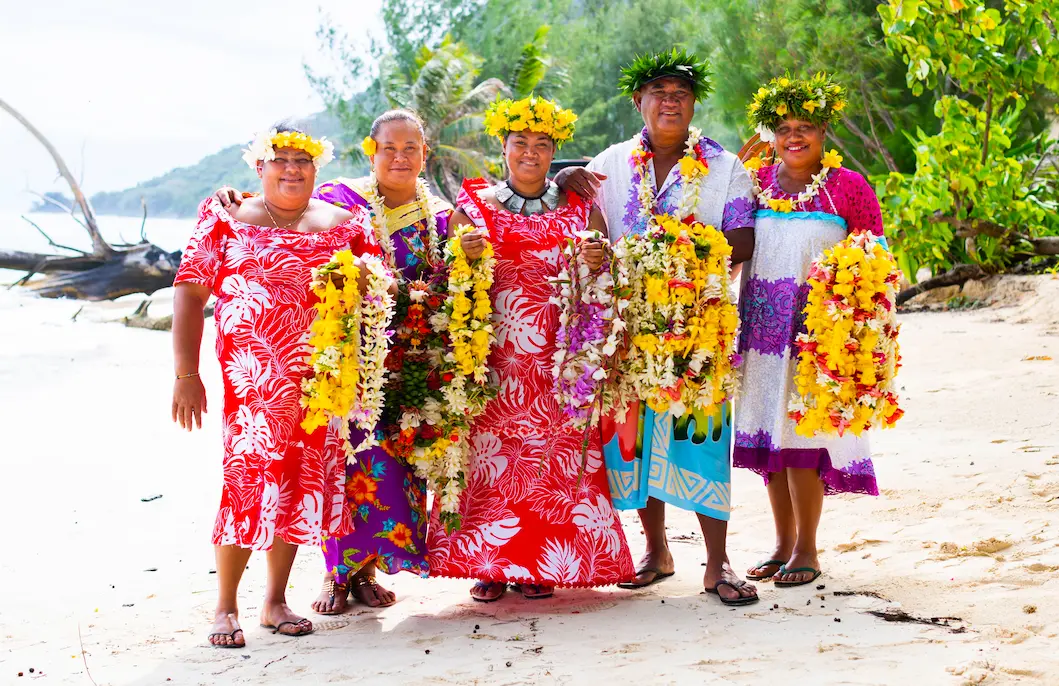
x,y
957,276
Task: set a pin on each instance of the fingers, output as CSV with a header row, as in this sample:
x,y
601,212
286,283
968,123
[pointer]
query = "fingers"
x,y
237,197
174,409
601,177
198,417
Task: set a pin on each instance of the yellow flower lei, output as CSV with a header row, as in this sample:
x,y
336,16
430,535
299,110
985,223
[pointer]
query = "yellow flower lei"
x,y
766,197
466,316
533,114
682,321
849,355
349,341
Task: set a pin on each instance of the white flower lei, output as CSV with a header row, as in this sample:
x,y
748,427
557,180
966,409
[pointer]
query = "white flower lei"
x,y
604,294
376,311
689,198
382,233
767,199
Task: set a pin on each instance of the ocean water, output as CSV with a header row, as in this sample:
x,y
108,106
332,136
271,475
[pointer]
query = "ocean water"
x,y
17,234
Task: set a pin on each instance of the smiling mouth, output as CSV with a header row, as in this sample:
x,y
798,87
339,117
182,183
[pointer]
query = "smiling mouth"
x,y
797,148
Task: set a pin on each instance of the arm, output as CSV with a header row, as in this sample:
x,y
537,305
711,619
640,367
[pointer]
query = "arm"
x,y
739,209
228,196
189,395
742,242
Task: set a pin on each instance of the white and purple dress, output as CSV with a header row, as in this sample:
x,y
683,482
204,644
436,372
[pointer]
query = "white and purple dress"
x,y
774,293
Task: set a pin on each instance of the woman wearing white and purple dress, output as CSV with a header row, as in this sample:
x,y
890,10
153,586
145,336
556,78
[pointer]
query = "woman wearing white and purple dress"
x,y
805,204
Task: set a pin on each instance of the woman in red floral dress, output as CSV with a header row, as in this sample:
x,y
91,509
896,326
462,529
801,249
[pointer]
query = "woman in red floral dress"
x,y
527,518
282,487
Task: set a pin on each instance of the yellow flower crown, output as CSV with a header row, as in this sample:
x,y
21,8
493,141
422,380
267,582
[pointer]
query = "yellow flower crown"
x,y
818,100
532,114
263,149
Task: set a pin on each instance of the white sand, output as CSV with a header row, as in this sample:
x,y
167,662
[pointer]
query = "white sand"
x,y
966,528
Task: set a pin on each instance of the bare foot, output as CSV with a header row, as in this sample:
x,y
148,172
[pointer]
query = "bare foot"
x,y
488,591
799,560
653,567
281,620
722,571
367,591
225,632
333,598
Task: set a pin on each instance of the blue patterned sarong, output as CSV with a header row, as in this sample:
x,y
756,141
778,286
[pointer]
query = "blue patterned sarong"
x,y
685,462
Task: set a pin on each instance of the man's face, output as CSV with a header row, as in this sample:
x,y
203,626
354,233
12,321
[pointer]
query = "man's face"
x,y
666,104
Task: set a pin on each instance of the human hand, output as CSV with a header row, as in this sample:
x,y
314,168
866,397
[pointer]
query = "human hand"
x,y
229,196
189,402
580,181
592,251
473,244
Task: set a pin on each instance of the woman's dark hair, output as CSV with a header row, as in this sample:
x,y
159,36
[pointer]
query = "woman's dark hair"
x,y
397,115
287,126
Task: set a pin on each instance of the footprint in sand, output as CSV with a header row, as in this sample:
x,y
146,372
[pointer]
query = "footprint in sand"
x,y
857,544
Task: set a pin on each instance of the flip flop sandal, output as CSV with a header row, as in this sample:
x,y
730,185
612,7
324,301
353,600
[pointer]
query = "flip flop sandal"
x,y
336,590
741,600
766,563
537,594
369,581
791,584
488,585
276,628
658,576
226,645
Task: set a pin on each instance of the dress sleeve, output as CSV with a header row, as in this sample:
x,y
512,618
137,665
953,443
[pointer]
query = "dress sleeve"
x,y
739,202
202,259
860,205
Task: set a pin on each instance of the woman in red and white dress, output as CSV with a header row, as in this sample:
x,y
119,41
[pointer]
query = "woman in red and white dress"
x,y
526,520
282,487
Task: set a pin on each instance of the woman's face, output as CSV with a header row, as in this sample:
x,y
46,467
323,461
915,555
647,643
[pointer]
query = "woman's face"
x,y
399,154
288,180
528,154
799,143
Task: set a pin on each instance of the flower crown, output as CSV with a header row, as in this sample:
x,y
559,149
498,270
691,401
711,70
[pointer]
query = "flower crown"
x,y
818,100
532,114
678,63
263,149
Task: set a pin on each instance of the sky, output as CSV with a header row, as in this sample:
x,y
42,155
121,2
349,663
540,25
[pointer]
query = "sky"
x,y
127,90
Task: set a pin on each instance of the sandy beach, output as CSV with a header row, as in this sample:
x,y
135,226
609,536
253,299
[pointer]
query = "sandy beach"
x,y
96,580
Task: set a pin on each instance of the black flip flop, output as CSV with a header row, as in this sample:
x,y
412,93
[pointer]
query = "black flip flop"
x,y
766,563
276,627
748,600
479,584
658,576
792,584
226,645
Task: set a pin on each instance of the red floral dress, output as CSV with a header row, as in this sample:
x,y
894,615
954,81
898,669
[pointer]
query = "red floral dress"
x,y
278,480
525,519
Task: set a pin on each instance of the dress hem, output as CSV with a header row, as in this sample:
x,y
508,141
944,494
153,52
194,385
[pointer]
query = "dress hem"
x,y
764,461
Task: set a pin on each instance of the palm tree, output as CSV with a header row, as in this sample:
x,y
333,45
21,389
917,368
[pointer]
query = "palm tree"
x,y
443,88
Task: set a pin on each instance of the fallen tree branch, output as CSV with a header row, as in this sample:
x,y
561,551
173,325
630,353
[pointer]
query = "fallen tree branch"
x,y
956,276
46,264
1048,245
99,246
48,238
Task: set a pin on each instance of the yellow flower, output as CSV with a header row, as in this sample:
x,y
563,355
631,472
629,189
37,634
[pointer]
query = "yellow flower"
x,y
754,163
987,22
781,109
784,82
810,106
832,160
838,105
369,146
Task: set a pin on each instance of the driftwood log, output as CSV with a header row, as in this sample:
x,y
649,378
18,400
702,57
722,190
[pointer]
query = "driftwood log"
x,y
108,271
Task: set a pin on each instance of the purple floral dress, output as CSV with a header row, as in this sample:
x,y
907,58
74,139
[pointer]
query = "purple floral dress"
x,y
386,499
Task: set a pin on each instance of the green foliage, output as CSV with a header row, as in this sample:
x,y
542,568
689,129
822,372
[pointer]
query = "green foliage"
x,y
983,187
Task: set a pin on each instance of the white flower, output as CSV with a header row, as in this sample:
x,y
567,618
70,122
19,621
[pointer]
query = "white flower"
x,y
766,134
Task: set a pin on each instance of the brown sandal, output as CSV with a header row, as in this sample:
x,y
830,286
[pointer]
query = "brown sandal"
x,y
338,594
359,583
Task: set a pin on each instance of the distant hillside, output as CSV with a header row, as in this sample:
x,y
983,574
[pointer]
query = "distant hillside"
x,y
178,192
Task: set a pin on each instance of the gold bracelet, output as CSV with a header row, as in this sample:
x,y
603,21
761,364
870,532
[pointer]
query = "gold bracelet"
x,y
186,376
